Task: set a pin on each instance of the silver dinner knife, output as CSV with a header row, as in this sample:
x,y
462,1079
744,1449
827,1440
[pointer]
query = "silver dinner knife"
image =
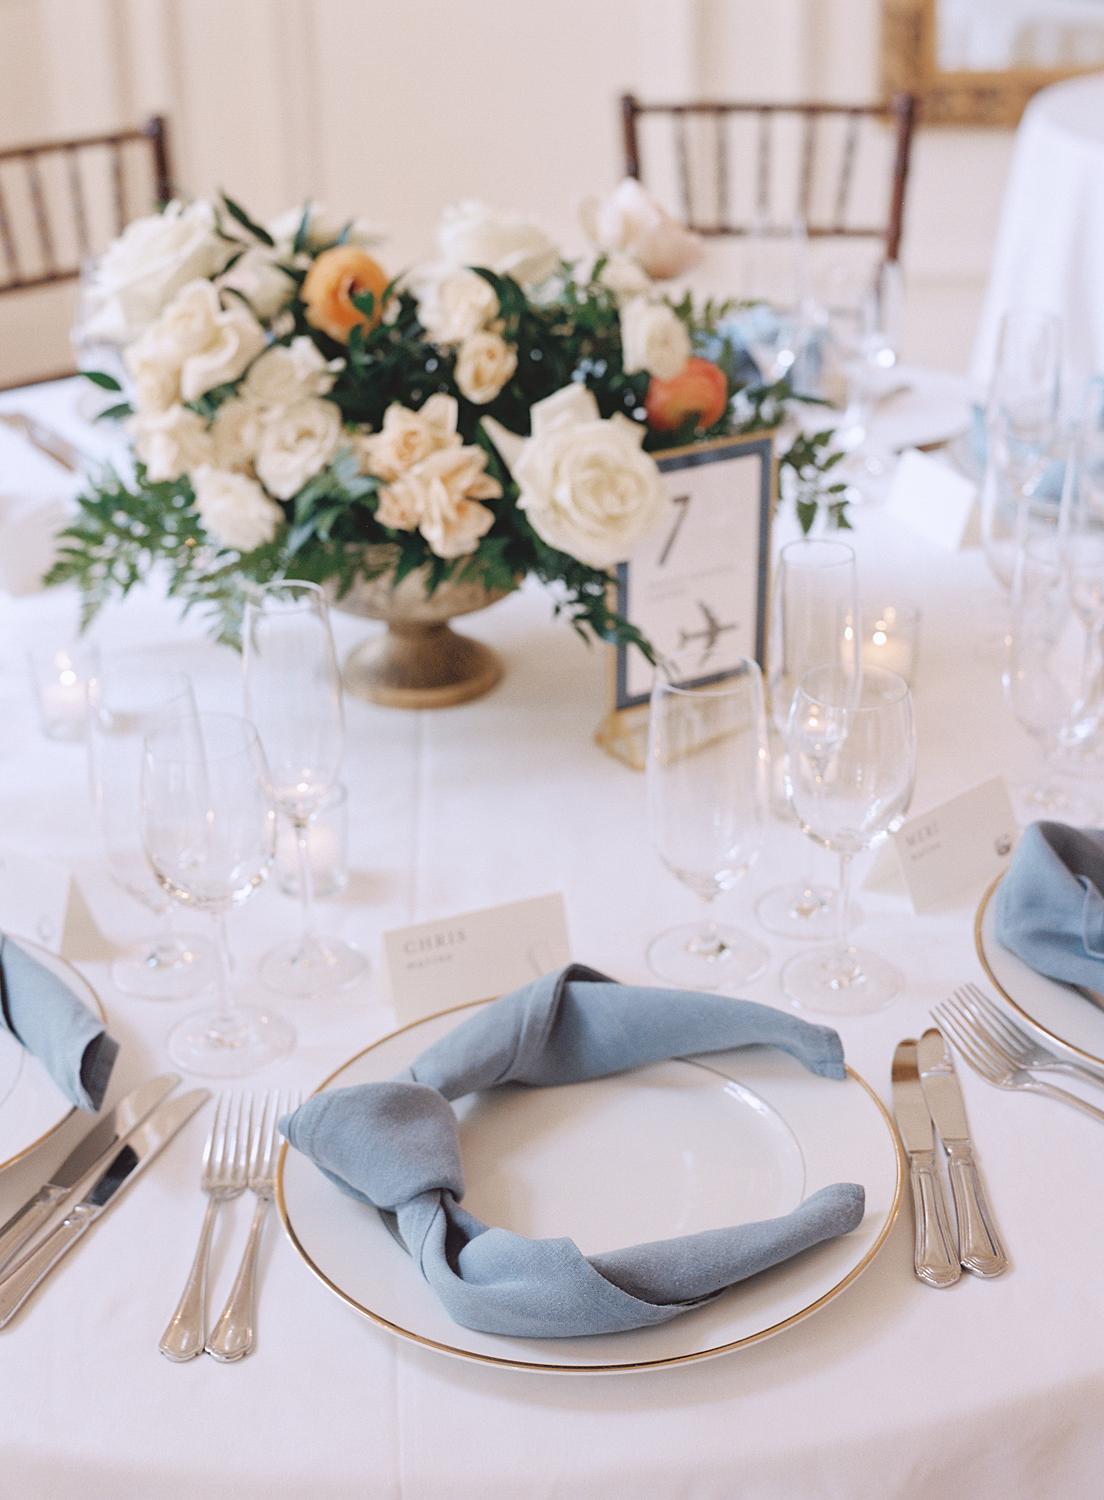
x,y
934,1256
127,1164
91,1154
980,1249
46,440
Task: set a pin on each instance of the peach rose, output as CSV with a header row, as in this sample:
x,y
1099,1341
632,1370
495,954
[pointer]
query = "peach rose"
x,y
331,284
700,389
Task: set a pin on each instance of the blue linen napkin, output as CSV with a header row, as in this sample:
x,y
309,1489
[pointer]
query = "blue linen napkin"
x,y
1050,904
395,1145
41,1012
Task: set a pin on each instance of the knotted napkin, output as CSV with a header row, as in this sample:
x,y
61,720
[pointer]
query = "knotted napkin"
x,y
1050,907
395,1146
41,1011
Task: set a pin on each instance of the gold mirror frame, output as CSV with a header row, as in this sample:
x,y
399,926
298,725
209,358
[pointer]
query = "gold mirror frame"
x,y
909,65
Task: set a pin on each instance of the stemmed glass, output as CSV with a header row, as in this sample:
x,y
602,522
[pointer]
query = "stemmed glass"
x,y
293,696
814,620
852,765
707,807
209,830
1081,538
126,700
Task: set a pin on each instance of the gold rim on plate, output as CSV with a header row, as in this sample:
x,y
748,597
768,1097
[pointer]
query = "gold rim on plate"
x,y
624,1366
101,1012
979,944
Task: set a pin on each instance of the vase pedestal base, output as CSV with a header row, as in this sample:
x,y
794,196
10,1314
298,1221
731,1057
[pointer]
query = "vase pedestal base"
x,y
421,665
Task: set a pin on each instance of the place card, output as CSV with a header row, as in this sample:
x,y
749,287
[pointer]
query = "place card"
x,y
933,500
34,898
961,843
474,956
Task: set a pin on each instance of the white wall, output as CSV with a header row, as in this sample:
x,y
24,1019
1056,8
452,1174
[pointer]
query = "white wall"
x,y
393,109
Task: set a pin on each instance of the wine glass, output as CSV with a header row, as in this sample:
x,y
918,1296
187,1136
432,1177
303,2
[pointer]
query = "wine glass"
x,y
209,830
293,696
814,620
852,765
1052,676
1081,534
707,805
126,700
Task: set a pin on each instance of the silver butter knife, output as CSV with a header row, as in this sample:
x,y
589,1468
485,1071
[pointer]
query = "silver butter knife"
x,y
90,1155
934,1256
128,1164
46,440
980,1249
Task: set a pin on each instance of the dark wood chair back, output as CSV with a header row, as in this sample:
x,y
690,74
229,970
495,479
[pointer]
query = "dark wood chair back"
x,y
706,133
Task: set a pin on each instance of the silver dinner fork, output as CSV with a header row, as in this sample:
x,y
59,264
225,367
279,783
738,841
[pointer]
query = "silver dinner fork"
x,y
1019,1046
225,1175
233,1336
989,1059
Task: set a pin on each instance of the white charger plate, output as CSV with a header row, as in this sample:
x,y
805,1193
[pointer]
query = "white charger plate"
x,y
32,1107
665,1150
1060,1016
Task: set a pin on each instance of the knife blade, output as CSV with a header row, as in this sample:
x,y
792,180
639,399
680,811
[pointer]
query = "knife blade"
x,y
46,440
934,1254
980,1248
90,1155
128,1163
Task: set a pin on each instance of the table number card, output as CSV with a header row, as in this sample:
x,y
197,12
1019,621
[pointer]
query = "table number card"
x,y
34,898
474,956
963,842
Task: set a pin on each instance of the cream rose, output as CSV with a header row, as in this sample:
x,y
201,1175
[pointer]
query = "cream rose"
x,y
291,372
409,436
149,262
235,511
257,277
630,221
170,443
484,364
236,433
470,234
440,496
237,339
154,380
296,443
188,325
619,274
586,485
453,306
653,338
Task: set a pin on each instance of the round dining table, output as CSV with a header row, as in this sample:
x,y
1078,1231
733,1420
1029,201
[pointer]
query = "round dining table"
x,y
891,1391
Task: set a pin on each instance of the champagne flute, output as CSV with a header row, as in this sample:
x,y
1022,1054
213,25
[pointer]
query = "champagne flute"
x,y
293,696
127,699
1081,534
814,619
209,830
707,807
852,760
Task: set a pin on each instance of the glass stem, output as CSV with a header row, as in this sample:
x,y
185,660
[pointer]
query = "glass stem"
x,y
223,964
306,876
843,915
165,949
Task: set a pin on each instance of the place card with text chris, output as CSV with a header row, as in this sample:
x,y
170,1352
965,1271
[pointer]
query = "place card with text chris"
x,y
474,956
960,843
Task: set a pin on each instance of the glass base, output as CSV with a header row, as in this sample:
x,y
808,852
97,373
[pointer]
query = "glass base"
x,y
798,911
697,958
215,1045
312,966
168,969
1034,800
840,981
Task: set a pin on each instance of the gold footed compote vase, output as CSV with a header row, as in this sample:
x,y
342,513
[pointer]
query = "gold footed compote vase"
x,y
419,661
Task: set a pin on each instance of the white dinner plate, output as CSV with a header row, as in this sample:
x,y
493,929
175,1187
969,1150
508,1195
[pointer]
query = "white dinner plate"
x,y
1060,1015
32,1107
933,409
665,1150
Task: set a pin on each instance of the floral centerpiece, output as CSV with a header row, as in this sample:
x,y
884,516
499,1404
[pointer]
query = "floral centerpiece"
x,y
296,410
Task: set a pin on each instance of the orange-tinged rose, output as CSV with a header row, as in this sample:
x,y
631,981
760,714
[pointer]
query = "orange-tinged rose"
x,y
331,284
700,388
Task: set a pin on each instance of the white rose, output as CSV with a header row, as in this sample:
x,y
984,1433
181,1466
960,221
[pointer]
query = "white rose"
x,y
170,443
236,433
409,436
619,274
188,325
237,340
484,364
291,372
257,277
470,234
653,338
296,443
234,509
154,380
439,496
632,222
455,305
323,228
149,262
586,485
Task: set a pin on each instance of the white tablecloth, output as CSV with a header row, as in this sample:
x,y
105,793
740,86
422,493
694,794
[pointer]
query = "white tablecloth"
x,y
1050,242
893,1390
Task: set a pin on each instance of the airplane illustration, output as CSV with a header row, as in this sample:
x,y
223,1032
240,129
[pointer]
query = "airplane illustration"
x,y
710,635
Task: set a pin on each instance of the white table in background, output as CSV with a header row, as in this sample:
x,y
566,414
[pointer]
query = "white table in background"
x,y
892,1392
